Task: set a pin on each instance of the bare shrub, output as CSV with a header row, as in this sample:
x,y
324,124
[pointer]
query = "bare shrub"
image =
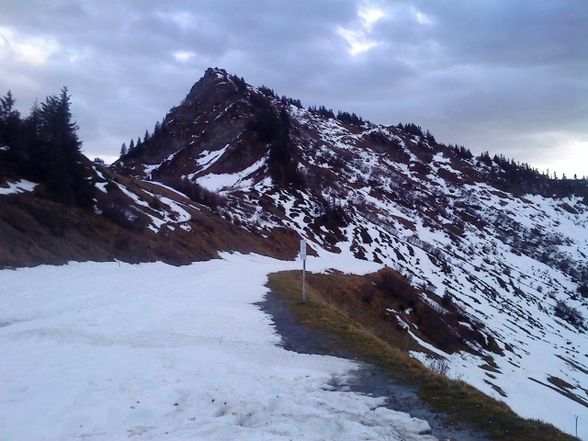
x,y
396,286
333,216
569,314
196,192
155,202
432,323
447,300
429,321
116,208
368,294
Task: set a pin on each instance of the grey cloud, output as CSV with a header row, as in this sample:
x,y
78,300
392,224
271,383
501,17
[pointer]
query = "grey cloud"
x,y
484,74
511,33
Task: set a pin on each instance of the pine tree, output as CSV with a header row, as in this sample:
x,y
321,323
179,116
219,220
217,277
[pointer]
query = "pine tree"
x,y
9,120
123,150
60,157
147,136
131,146
7,110
282,165
34,119
31,144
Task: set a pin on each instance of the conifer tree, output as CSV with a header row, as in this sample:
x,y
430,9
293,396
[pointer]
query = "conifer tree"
x,y
123,150
31,144
9,120
60,159
33,121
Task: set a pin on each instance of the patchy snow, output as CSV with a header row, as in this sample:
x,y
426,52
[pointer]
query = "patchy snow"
x,y
102,186
21,186
149,169
207,158
115,351
98,172
178,210
214,182
156,223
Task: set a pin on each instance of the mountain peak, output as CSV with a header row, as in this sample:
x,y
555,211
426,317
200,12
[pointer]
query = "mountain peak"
x,y
213,81
217,72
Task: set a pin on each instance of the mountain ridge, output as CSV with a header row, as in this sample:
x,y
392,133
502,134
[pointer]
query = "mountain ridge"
x,y
235,167
498,239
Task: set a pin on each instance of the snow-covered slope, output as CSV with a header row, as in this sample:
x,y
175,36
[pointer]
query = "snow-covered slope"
x,y
507,245
106,351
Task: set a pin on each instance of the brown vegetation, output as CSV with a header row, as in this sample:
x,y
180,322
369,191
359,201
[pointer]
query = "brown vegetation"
x,y
335,306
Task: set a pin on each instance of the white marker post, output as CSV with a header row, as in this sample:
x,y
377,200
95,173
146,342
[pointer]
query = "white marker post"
x,y
303,257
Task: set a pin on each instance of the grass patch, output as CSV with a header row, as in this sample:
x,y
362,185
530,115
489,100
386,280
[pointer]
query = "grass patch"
x,y
335,307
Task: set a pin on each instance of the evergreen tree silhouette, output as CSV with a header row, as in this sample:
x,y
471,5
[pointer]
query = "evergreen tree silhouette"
x,y
59,157
9,121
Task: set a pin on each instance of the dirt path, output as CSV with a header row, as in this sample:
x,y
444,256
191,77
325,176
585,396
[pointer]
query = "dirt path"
x,y
368,379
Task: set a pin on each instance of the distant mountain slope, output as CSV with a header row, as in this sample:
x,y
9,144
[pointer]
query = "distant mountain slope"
x,y
498,239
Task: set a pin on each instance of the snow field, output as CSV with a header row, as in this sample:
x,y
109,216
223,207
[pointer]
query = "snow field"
x,y
107,351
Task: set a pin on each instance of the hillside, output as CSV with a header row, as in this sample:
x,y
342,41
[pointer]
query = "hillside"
x,y
131,220
502,242
237,168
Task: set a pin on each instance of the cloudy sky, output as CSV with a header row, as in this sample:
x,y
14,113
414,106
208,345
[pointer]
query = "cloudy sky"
x,y
506,76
